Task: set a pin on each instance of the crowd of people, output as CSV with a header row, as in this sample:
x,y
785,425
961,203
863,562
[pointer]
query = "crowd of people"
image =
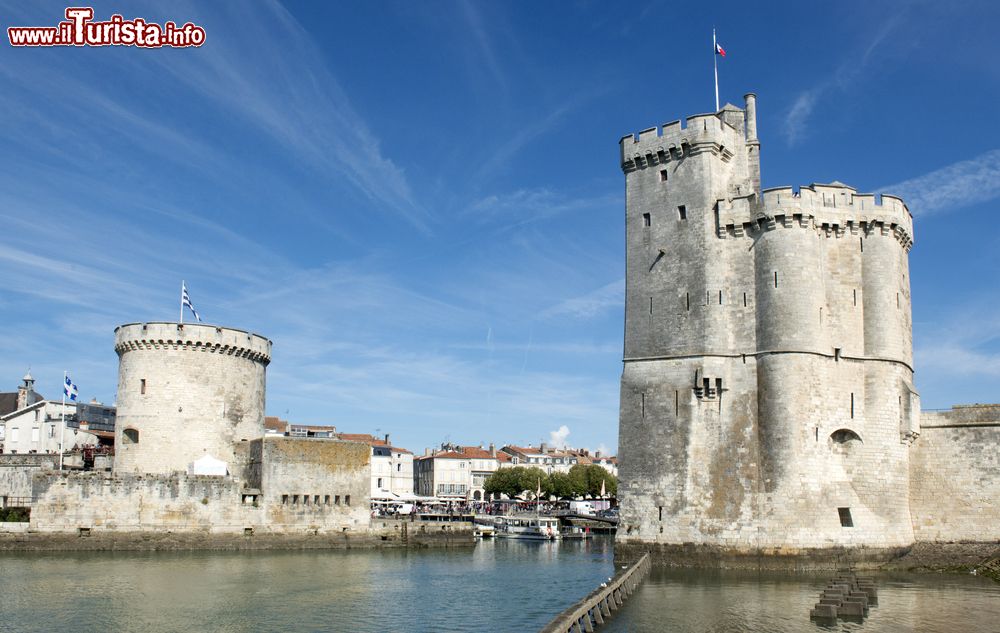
x,y
465,508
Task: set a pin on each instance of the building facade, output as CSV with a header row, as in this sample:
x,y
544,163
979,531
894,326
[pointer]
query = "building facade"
x,y
392,466
767,400
549,459
38,428
457,473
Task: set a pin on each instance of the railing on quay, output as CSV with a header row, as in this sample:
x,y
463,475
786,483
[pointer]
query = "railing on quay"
x,y
591,611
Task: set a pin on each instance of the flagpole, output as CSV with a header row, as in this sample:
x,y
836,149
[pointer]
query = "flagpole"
x,y
182,298
715,59
62,433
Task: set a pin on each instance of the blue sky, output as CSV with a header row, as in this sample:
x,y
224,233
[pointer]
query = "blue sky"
x,y
420,202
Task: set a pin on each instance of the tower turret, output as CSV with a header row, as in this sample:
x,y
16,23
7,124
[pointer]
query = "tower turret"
x,y
184,391
767,383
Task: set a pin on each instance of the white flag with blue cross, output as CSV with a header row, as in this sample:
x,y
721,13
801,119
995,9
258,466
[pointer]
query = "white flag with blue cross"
x,y
69,389
186,302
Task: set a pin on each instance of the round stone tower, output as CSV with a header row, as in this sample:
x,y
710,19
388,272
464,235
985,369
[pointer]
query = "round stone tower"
x,y
186,391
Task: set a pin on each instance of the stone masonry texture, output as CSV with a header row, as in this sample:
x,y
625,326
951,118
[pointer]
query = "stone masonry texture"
x,y
767,398
185,391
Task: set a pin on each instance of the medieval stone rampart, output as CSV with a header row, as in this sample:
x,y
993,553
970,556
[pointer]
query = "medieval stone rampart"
x,y
955,475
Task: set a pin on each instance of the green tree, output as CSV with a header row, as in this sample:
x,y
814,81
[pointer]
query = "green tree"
x,y
530,478
505,481
559,484
586,480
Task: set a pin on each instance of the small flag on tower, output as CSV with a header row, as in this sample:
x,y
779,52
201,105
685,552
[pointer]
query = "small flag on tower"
x,y
719,50
186,302
69,389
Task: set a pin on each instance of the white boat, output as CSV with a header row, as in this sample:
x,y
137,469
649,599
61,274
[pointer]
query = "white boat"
x,y
483,530
533,528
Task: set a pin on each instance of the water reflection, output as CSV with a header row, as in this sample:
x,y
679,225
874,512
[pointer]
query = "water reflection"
x,y
731,602
496,586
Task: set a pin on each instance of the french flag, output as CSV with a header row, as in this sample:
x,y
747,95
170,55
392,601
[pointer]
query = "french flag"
x,y
719,50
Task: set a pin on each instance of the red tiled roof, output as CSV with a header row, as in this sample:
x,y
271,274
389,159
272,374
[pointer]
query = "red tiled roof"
x,y
369,439
274,423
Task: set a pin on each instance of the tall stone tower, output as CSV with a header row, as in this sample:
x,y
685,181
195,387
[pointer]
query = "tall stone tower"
x,y
767,403
186,391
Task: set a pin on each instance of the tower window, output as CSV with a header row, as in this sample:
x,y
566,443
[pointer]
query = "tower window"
x,y
131,436
646,219
687,300
852,404
663,175
775,279
142,386
845,517
682,212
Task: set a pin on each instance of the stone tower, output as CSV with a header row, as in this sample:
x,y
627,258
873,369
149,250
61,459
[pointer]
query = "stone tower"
x,y
767,403
184,391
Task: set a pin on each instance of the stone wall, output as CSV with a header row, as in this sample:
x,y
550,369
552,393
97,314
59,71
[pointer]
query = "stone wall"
x,y
294,485
15,476
314,481
955,475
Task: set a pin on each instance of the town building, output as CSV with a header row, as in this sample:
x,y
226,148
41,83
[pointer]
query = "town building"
x,y
30,424
549,459
457,473
38,428
767,396
392,466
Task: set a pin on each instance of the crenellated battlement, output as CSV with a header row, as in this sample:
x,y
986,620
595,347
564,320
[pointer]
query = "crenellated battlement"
x,y
675,140
835,209
193,337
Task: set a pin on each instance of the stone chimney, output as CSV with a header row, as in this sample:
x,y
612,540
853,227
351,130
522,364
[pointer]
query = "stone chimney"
x,y
493,450
541,447
387,440
597,454
427,452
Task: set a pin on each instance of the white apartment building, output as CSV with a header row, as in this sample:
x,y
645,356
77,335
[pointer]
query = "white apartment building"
x,y
392,466
38,428
548,459
457,473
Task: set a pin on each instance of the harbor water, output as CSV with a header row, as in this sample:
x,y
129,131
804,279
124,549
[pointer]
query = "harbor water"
x,y
503,585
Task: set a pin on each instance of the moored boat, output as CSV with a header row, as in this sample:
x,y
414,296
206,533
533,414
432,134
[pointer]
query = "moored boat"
x,y
534,528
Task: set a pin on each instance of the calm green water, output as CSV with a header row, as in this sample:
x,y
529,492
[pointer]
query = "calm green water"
x,y
497,586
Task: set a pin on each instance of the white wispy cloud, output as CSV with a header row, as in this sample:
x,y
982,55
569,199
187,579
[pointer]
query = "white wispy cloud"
x,y
473,21
950,188
798,115
281,84
524,206
795,125
607,297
